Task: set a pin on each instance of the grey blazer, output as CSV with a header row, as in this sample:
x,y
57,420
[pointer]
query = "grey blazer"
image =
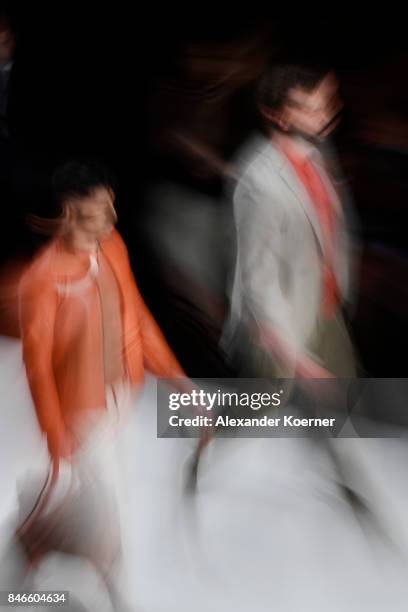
x,y
278,270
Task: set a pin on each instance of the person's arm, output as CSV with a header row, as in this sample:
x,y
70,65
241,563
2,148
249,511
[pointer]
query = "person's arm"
x,y
158,358
37,307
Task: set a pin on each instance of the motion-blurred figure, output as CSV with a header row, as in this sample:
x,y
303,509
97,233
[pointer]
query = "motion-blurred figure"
x,y
200,110
87,337
293,251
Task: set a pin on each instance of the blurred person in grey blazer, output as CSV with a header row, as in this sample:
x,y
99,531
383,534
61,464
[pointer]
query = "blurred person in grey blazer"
x,y
294,264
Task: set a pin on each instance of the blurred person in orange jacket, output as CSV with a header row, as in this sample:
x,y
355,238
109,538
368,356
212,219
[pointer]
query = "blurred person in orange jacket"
x,y
87,338
84,325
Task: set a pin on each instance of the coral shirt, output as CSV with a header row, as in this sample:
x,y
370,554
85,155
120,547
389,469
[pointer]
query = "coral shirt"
x,y
311,180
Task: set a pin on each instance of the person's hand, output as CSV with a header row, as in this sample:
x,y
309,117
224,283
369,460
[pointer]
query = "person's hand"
x,y
61,445
288,354
307,369
318,382
299,365
183,385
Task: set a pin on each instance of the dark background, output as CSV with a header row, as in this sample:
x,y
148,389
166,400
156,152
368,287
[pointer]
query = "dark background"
x,y
110,82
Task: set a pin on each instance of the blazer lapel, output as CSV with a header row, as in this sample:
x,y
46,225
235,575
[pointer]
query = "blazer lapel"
x,y
295,185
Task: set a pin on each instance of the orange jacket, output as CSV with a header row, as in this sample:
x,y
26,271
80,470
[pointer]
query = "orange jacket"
x,y
61,330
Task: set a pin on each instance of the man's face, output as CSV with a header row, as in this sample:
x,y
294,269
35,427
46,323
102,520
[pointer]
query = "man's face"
x,y
312,113
95,214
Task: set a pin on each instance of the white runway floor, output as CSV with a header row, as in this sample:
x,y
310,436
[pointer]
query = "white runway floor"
x,y
268,529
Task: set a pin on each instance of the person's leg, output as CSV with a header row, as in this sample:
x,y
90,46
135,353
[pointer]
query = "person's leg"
x,y
102,483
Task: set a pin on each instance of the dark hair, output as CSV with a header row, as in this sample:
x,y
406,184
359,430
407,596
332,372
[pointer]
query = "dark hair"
x,y
280,78
78,178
